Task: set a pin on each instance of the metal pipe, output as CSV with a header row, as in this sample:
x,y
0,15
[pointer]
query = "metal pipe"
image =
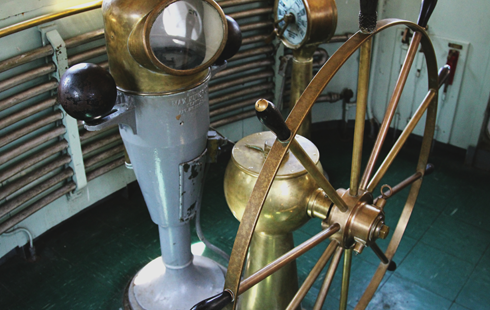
x,y
320,57
234,118
48,50
251,13
26,76
340,38
49,17
38,205
85,135
26,57
254,39
28,111
84,38
11,205
329,97
28,145
253,52
119,149
228,3
245,67
104,169
241,93
242,80
21,229
21,167
287,258
92,53
24,130
90,147
249,102
33,176
255,26
25,95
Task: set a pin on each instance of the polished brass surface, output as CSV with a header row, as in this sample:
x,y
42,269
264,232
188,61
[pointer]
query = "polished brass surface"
x,y
287,258
301,75
49,17
402,139
317,174
121,19
361,106
344,293
391,109
397,188
280,217
139,39
322,295
366,224
267,294
322,22
319,204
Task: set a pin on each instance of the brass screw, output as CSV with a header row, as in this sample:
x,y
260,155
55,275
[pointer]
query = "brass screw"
x,y
383,232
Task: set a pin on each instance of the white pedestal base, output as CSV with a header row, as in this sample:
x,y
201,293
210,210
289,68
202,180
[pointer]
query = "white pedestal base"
x,y
156,287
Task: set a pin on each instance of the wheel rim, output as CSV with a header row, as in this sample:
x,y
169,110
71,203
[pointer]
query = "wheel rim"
x,y
279,149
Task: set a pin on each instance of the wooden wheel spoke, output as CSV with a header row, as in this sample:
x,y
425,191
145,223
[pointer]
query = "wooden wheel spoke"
x,y
328,279
286,258
344,293
312,276
401,140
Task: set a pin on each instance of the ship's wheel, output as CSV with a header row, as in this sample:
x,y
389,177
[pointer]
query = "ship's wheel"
x,y
352,218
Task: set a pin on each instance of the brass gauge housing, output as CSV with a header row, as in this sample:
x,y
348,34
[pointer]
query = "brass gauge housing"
x,y
167,46
305,22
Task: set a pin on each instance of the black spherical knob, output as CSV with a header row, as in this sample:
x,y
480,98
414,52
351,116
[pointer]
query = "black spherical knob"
x,y
87,91
233,42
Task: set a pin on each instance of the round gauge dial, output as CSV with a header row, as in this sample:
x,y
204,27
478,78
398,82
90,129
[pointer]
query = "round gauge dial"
x,y
296,30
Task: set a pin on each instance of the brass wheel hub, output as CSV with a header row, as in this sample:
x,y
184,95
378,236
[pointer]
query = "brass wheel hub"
x,y
360,225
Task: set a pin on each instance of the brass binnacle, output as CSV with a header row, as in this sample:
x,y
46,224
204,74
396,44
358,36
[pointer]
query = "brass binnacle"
x,y
360,226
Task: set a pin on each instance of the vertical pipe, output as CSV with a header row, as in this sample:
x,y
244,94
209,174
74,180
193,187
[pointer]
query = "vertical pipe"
x,y
362,93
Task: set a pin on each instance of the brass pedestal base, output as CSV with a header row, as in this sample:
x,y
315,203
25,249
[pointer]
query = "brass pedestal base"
x,y
277,290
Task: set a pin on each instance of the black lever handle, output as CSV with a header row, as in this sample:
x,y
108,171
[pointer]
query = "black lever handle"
x,y
368,15
270,116
444,74
217,302
426,9
87,91
233,42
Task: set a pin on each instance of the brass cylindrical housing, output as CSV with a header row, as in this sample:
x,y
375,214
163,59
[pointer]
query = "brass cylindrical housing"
x,y
133,63
285,208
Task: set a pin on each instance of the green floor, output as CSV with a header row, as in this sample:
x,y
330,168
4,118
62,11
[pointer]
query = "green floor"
x,y
443,260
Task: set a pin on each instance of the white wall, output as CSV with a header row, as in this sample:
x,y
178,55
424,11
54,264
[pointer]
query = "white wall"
x,y
453,20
